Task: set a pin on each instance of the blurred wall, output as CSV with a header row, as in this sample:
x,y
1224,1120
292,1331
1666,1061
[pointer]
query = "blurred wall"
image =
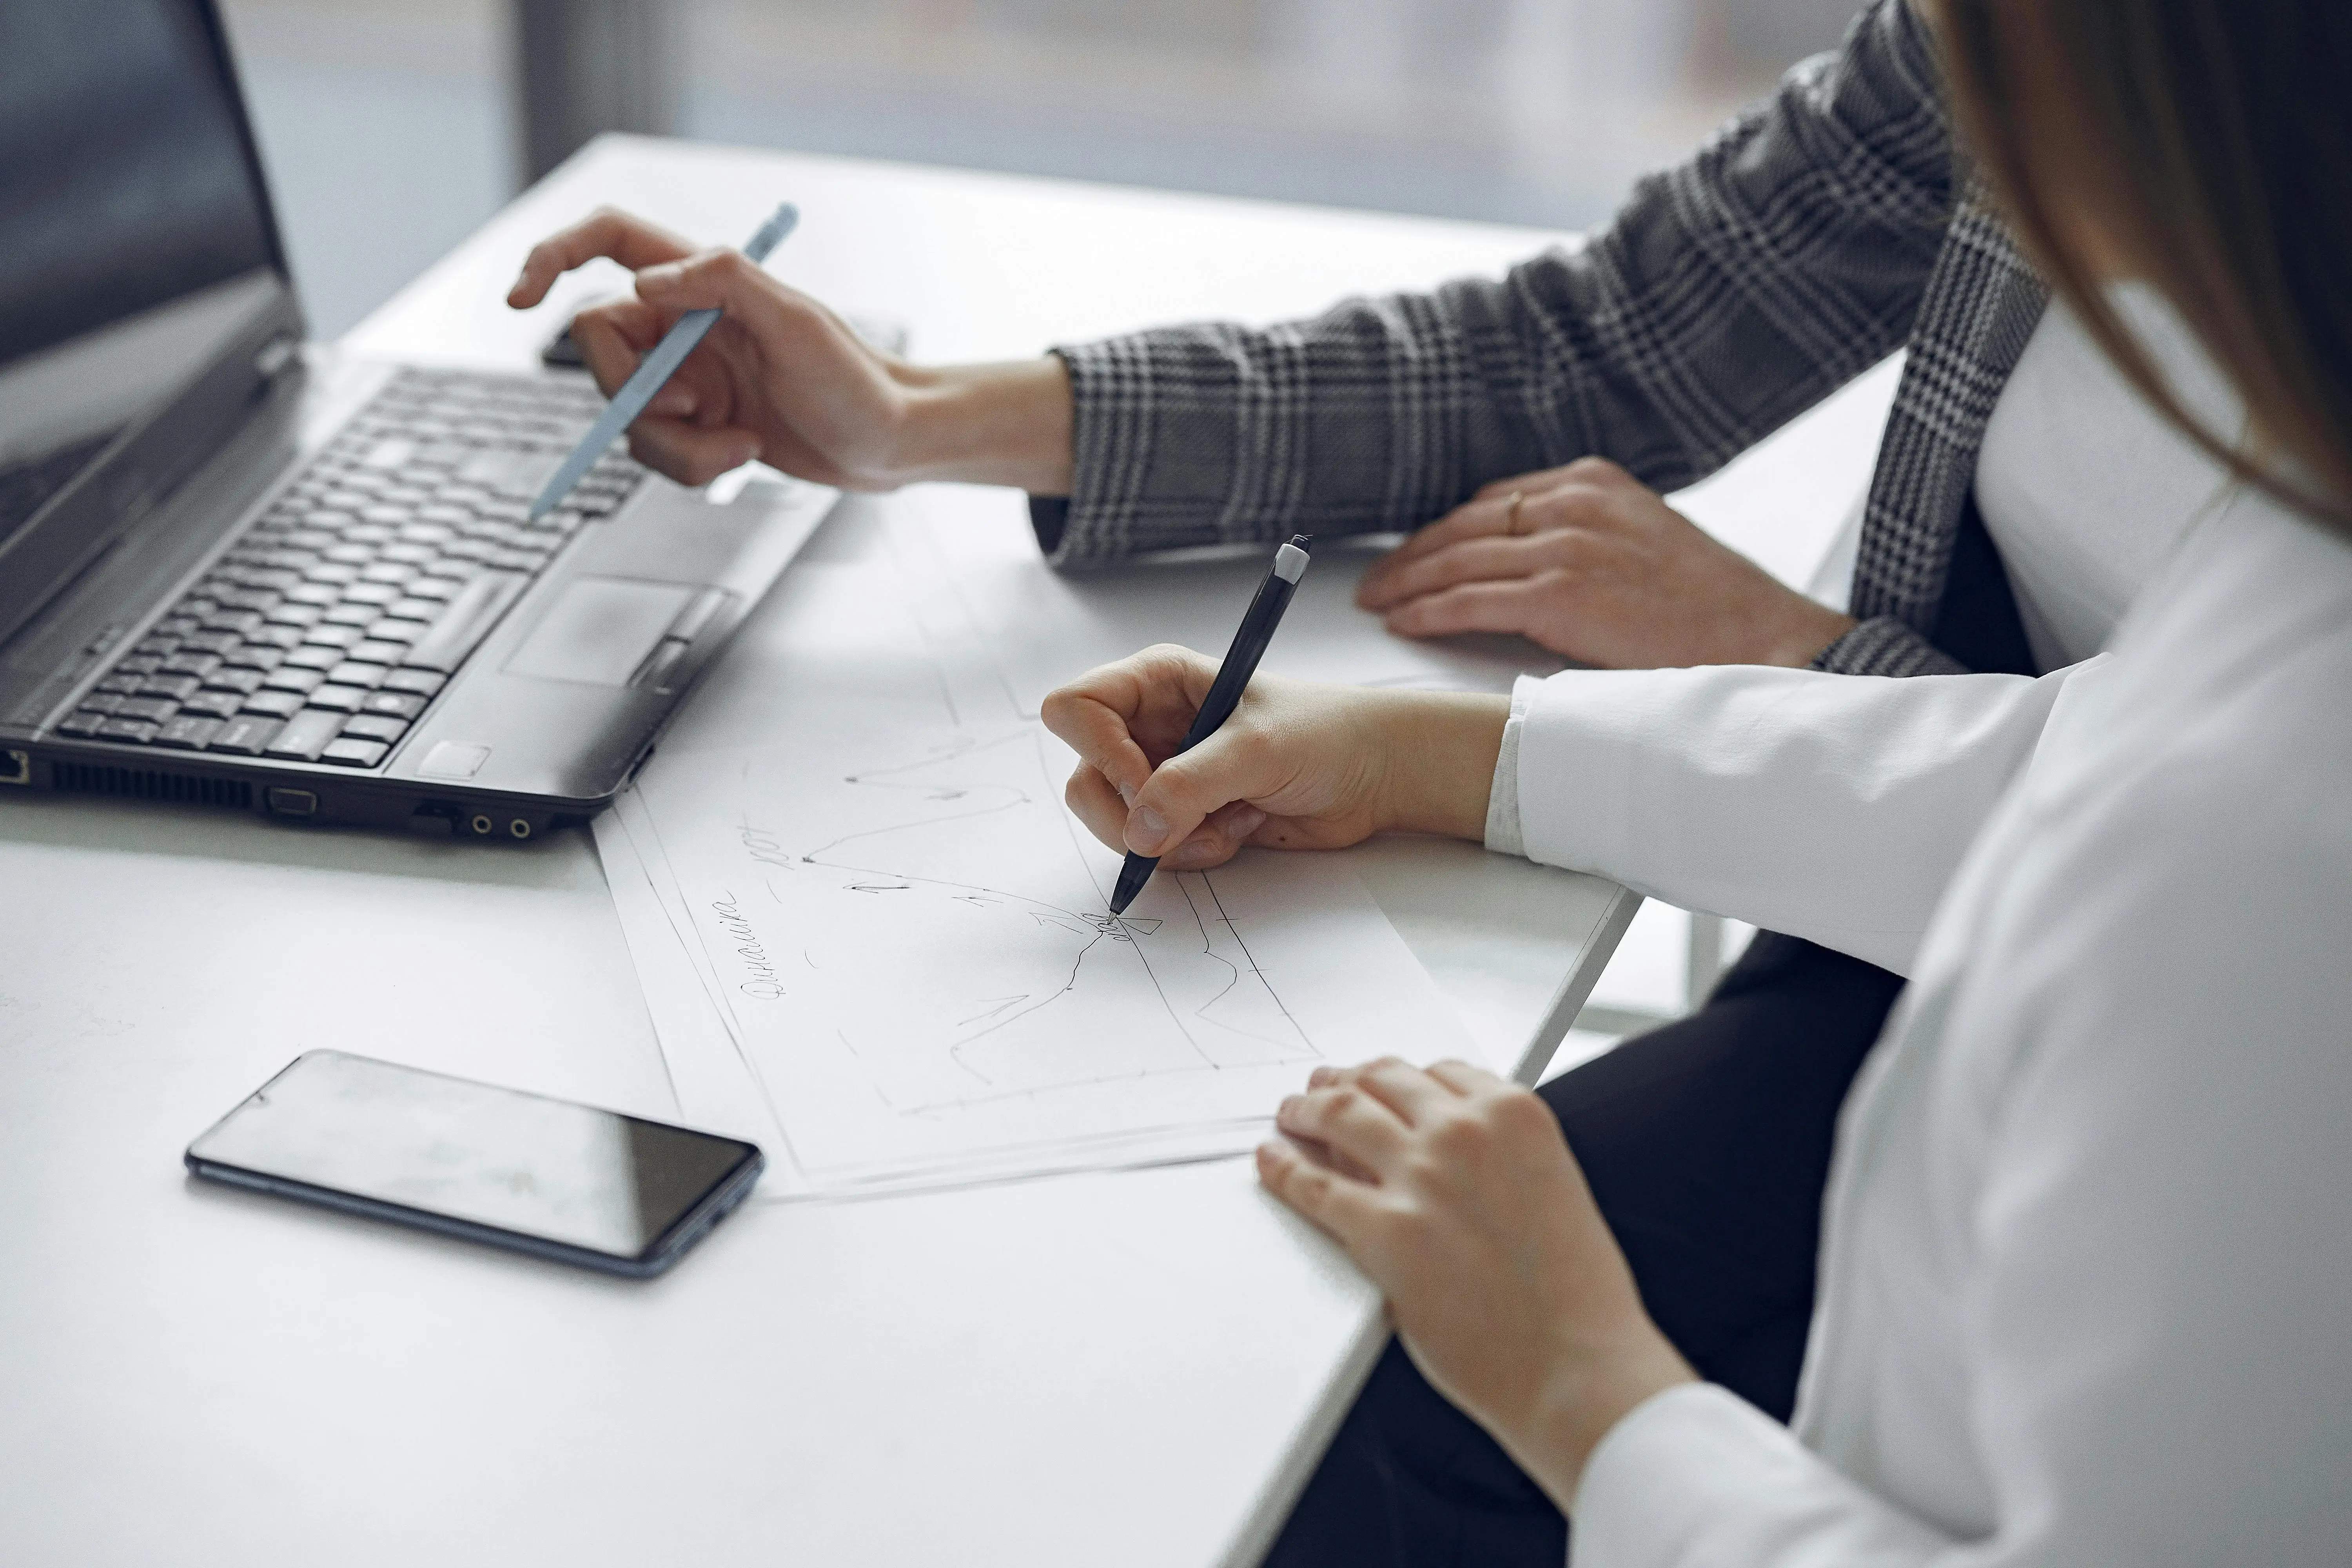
x,y
390,126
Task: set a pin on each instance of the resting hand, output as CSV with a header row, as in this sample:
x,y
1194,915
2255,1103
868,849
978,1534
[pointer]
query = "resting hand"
x,y
1594,564
1456,1192
782,379
1298,766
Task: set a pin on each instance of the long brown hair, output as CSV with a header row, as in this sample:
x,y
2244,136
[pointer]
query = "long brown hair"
x,y
2209,144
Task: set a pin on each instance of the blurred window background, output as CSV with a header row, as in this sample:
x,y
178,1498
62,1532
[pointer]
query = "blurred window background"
x,y
392,127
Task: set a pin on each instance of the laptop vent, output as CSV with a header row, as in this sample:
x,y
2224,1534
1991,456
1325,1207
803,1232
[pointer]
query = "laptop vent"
x,y
150,783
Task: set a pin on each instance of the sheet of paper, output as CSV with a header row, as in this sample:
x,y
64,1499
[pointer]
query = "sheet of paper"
x,y
873,939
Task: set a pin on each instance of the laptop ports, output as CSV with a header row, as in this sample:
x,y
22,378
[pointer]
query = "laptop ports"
x,y
15,767
292,802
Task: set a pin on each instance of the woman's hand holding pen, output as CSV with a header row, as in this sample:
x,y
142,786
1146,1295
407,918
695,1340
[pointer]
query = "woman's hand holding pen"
x,y
1298,766
784,380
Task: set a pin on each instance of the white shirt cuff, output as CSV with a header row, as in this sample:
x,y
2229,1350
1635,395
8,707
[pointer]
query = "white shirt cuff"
x,y
1503,834
1697,1475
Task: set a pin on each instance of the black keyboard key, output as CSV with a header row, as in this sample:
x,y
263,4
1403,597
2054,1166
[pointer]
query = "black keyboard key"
x,y
100,702
213,704
320,594
352,672
192,662
398,704
314,656
341,699
85,723
424,610
293,677
423,682
466,621
352,751
146,707
235,623
239,678
294,613
335,636
138,664
276,704
210,642
376,594
441,588
189,732
245,736
333,571
177,688
121,682
305,735
381,649
353,614
139,732
275,637
376,727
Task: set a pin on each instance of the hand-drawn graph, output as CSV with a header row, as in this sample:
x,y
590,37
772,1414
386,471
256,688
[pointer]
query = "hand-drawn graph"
x,y
1019,983
868,922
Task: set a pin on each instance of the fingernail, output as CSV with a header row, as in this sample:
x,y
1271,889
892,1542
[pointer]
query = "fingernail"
x,y
1147,831
1289,1103
1245,822
1127,793
672,400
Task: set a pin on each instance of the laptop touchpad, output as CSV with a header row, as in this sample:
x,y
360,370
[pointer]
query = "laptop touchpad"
x,y
600,629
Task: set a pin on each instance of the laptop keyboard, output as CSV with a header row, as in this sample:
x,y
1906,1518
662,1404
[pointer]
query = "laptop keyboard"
x,y
344,608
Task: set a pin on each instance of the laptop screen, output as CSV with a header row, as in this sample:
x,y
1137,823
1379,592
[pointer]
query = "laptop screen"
x,y
135,236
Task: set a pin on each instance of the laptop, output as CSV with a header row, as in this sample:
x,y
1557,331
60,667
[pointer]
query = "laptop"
x,y
239,570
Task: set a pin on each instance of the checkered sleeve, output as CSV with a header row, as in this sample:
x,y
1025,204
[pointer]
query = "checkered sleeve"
x,y
1885,644
1729,295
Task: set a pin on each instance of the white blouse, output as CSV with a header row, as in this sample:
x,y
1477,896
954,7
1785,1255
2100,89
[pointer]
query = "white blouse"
x,y
2086,1284
2084,485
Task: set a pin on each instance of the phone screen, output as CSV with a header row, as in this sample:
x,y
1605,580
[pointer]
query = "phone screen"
x,y
495,1159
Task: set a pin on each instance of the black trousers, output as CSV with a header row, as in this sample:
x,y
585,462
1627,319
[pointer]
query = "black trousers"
x,y
1708,1145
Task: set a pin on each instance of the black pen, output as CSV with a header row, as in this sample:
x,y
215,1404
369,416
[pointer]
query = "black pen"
x,y
1225,692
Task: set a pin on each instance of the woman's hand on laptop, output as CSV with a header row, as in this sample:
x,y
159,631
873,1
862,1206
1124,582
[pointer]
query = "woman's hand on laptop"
x,y
1298,766
782,379
1592,563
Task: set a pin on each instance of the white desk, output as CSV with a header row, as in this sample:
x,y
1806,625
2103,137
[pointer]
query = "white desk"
x,y
1136,1367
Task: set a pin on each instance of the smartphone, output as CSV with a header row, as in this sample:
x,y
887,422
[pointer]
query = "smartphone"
x,y
520,1171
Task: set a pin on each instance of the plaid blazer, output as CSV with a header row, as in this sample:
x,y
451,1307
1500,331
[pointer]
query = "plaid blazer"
x,y
1823,229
